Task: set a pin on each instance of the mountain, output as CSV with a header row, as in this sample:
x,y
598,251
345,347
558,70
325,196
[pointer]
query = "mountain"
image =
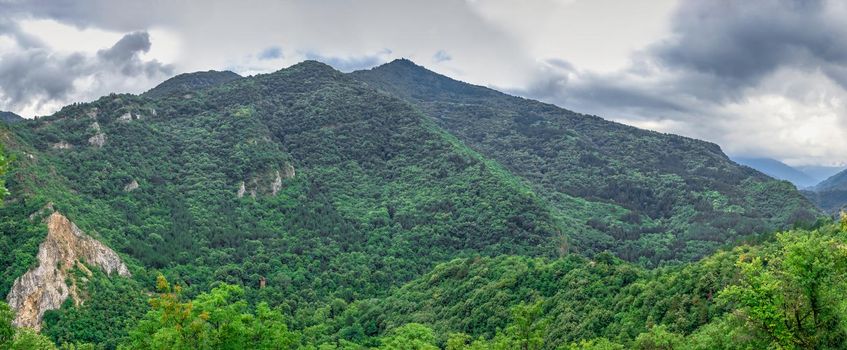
x,y
188,82
831,194
303,199
778,170
666,196
834,182
305,179
9,117
820,172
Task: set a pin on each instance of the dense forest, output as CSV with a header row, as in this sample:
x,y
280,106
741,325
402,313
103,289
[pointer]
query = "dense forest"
x,y
399,209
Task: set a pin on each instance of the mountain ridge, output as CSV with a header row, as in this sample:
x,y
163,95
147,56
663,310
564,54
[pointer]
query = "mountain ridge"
x,y
355,189
778,170
563,152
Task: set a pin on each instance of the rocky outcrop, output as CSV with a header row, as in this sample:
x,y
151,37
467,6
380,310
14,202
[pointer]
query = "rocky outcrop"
x,y
61,145
241,190
277,184
133,185
45,287
269,183
288,171
126,117
99,138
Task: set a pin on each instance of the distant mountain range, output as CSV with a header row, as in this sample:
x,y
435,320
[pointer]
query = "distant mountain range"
x,y
826,186
831,194
779,170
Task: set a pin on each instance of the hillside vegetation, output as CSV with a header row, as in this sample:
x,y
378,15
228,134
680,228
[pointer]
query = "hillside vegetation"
x,y
663,197
308,208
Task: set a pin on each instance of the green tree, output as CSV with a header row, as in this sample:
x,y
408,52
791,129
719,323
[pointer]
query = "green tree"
x,y
527,329
658,338
12,338
7,331
595,344
412,336
795,298
220,319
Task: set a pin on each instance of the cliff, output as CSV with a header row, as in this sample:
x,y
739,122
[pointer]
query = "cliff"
x,y
45,287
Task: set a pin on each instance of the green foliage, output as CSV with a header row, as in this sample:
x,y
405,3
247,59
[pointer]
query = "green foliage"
x,y
664,197
596,344
411,336
658,338
220,319
305,209
12,338
795,297
187,83
112,306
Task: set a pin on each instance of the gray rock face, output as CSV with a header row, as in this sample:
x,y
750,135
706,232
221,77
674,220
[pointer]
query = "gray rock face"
x,y
61,145
133,185
277,184
44,287
126,117
98,140
241,190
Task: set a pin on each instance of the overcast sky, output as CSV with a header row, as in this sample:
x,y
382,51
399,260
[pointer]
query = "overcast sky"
x,y
759,77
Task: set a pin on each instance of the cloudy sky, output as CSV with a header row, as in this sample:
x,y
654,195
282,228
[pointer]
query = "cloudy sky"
x,y
759,77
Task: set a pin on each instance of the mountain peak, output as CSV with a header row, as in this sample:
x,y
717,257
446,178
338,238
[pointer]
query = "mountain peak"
x,y
191,81
313,66
9,117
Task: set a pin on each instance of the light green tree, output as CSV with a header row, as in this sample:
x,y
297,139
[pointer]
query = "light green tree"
x,y
412,336
12,338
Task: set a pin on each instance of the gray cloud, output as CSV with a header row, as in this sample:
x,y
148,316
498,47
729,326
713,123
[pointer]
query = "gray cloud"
x,y
441,56
270,53
351,63
722,62
740,42
34,76
124,56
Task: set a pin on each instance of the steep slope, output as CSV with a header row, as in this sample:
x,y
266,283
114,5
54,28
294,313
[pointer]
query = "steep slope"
x,y
190,82
45,287
831,194
302,185
685,195
708,304
778,170
834,182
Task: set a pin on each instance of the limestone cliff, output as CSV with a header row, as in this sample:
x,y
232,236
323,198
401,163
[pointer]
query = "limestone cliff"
x,y
45,287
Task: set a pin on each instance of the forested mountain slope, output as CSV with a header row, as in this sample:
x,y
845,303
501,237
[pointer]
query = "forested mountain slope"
x,y
306,198
189,82
831,194
684,197
303,181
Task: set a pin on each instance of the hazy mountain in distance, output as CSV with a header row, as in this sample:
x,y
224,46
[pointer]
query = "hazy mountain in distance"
x,y
778,170
831,193
820,172
9,117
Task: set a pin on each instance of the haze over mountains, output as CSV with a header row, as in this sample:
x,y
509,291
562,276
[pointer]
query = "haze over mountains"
x,y
378,207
